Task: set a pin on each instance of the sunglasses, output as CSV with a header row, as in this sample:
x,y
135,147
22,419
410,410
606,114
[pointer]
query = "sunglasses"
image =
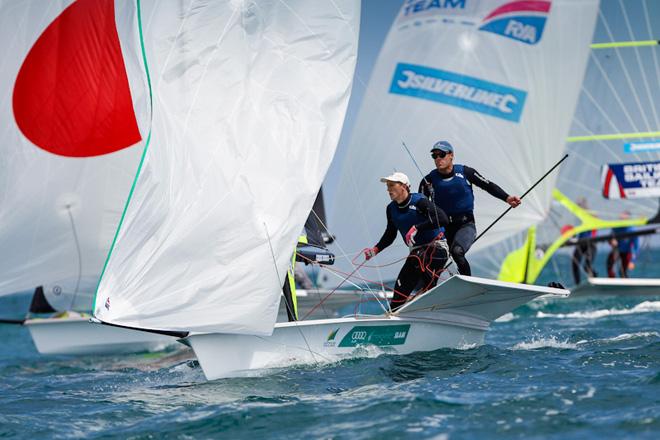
x,y
441,154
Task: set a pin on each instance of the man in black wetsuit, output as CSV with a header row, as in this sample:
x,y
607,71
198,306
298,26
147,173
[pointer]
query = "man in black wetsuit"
x,y
450,187
420,224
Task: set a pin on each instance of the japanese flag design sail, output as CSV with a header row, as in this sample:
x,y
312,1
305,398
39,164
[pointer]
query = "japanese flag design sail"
x,y
249,100
498,79
73,110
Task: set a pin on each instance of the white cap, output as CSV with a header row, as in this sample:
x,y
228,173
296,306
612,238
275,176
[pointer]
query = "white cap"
x,y
396,177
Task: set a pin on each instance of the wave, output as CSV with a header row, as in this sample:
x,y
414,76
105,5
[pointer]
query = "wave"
x,y
550,342
645,307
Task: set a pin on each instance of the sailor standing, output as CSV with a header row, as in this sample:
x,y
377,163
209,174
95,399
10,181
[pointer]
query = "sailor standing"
x,y
420,224
449,185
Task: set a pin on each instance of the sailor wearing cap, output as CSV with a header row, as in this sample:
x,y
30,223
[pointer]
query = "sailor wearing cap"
x,y
449,185
420,224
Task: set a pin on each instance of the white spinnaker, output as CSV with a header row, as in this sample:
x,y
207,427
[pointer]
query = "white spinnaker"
x,y
59,213
249,99
512,153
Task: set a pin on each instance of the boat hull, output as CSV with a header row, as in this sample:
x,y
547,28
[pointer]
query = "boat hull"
x,y
226,355
617,287
454,314
78,336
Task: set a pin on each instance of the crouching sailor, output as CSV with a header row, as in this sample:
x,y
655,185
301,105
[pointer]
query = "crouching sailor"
x,y
420,224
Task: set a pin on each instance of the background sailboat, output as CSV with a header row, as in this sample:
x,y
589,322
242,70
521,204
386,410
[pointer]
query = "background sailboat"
x,y
616,122
73,115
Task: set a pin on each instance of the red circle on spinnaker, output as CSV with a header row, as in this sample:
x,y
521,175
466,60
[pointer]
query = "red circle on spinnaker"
x,y
71,95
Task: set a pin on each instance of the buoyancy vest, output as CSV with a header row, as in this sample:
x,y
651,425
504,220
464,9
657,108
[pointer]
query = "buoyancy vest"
x,y
408,216
454,194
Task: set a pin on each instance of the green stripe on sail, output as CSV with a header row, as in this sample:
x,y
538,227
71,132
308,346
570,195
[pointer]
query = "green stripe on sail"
x,y
617,44
616,136
516,268
144,153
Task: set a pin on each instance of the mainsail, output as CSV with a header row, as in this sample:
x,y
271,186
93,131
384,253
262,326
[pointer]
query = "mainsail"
x,y
615,132
498,79
248,103
72,118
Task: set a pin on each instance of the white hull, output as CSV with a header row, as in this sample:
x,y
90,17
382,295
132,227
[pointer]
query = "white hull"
x,y
617,286
455,314
76,335
225,355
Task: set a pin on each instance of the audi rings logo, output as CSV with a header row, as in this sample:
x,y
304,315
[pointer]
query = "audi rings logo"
x,y
57,290
359,335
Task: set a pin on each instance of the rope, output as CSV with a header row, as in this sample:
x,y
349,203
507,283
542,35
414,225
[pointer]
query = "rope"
x,y
427,255
331,292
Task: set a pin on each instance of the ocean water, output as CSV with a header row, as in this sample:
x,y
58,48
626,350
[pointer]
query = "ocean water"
x,y
587,368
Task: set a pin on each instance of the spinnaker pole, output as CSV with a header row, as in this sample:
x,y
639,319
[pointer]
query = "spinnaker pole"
x,y
522,197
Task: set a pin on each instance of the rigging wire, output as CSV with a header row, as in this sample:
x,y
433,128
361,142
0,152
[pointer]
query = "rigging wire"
x,y
367,287
281,283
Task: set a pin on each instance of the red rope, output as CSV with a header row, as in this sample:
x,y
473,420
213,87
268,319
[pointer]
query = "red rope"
x,y
423,267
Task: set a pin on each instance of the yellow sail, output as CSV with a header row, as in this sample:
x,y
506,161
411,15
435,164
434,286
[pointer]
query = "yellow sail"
x,y
524,265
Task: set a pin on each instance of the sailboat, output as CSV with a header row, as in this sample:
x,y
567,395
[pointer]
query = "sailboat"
x,y
614,153
246,94
72,130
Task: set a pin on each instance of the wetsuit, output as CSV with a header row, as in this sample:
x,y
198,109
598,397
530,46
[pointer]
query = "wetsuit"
x,y
625,251
427,257
452,192
587,248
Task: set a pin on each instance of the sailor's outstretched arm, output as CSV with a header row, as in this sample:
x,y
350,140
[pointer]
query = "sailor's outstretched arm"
x,y
491,188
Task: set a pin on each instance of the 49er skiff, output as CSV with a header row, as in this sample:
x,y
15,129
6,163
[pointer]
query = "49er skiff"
x,y
248,104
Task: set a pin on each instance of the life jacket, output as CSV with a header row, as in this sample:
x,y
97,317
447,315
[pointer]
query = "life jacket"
x,y
408,216
454,194
628,244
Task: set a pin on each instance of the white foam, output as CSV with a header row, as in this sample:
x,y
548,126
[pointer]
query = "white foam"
x,y
645,307
591,391
551,342
506,317
626,336
466,346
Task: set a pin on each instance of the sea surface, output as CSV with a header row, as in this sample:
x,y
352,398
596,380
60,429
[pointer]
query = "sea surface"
x,y
558,369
